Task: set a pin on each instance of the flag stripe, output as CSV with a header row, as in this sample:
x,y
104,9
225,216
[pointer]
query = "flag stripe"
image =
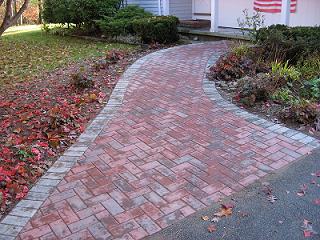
x,y
272,6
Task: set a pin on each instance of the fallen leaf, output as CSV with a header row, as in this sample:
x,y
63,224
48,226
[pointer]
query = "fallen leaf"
x,y
307,233
243,214
272,198
54,142
212,228
317,174
302,191
93,97
317,201
228,205
205,218
224,212
215,219
307,228
17,130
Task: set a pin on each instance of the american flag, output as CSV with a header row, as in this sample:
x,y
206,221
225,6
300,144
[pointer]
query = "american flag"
x,y
272,6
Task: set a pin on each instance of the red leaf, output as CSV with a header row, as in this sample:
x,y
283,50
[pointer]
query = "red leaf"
x,y
212,228
307,233
317,201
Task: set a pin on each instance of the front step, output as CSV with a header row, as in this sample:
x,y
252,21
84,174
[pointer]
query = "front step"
x,y
195,24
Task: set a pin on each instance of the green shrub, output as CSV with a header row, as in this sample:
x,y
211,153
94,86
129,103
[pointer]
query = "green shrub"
x,y
283,70
78,11
160,29
311,89
121,23
240,49
310,67
283,95
254,89
289,43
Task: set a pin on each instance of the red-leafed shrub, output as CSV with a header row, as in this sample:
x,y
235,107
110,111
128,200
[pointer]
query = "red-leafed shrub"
x,y
230,67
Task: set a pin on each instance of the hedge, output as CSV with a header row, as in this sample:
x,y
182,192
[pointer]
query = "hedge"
x,y
160,29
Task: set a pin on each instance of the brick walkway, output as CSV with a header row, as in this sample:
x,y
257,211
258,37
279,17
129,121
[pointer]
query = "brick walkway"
x,y
168,152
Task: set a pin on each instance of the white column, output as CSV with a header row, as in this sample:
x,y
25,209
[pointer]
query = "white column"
x,y
214,15
159,8
166,5
193,7
285,12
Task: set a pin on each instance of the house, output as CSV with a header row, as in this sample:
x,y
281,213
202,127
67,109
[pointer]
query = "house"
x,y
224,13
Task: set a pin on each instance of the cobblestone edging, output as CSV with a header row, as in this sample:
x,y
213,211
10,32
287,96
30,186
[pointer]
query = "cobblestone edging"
x,y
211,91
18,217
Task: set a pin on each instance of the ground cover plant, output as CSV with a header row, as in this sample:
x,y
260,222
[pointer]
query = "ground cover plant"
x,y
52,87
278,76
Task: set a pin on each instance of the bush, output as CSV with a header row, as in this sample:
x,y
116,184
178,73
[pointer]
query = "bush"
x,y
240,50
303,112
283,70
80,81
310,67
289,43
78,11
113,56
255,89
311,89
232,66
160,29
283,95
121,23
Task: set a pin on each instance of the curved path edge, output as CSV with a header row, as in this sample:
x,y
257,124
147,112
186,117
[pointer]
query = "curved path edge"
x,y
18,217
212,92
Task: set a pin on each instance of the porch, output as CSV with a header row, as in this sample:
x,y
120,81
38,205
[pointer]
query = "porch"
x,y
215,10
225,13
200,29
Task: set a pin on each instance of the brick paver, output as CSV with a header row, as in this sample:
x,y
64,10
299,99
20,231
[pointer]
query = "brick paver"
x,y
169,151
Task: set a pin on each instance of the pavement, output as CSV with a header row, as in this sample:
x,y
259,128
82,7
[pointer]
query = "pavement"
x,y
166,146
254,216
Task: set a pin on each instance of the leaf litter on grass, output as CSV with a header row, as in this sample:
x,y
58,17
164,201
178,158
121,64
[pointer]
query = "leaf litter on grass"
x,y
39,119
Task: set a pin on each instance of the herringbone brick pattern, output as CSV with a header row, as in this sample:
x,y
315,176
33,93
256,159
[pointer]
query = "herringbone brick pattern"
x,y
169,152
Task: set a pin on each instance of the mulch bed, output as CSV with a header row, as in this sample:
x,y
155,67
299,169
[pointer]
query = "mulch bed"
x,y
267,110
40,119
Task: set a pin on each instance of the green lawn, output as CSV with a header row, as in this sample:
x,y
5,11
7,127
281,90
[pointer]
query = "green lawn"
x,y
27,51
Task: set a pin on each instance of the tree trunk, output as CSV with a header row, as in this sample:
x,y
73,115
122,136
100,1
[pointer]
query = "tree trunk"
x,y
40,11
14,10
8,19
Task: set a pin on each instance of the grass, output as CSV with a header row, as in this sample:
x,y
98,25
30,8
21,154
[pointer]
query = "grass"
x,y
27,51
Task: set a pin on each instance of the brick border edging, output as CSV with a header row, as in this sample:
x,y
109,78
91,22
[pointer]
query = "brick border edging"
x,y
211,91
19,216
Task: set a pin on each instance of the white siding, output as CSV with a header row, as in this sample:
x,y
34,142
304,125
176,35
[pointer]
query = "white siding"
x,y
133,2
149,5
181,8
